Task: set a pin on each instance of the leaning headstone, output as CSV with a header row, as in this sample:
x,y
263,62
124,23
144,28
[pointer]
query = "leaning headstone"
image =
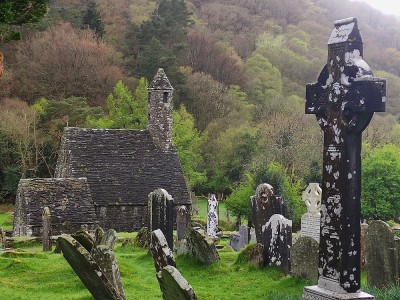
x,y
343,100
263,205
162,254
234,241
85,239
102,252
212,217
364,230
161,214
304,258
46,240
174,286
88,270
310,221
142,238
277,236
381,255
200,246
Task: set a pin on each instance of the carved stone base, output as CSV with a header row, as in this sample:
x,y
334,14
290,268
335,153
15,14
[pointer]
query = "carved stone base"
x,y
316,293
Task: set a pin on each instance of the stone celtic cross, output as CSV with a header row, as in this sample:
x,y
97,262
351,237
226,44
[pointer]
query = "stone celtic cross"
x,y
344,100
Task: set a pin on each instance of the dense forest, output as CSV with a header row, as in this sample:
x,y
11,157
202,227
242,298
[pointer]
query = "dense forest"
x,y
239,69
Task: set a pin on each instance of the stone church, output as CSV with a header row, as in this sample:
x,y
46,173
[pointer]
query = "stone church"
x,y
121,168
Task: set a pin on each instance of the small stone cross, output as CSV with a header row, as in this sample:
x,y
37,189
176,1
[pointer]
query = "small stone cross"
x,y
312,198
344,100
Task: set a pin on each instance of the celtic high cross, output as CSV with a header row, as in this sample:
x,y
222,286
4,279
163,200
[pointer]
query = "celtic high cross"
x,y
344,100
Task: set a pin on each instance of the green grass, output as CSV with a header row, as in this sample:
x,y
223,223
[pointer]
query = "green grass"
x,y
6,216
47,275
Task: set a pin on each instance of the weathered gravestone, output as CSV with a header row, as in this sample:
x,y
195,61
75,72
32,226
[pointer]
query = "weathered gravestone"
x,y
46,220
162,254
174,286
263,205
234,241
200,246
239,240
2,238
344,100
304,258
97,268
244,235
310,221
212,217
182,220
277,236
381,255
364,230
161,214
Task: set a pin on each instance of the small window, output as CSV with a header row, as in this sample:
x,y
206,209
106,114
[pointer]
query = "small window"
x,y
165,97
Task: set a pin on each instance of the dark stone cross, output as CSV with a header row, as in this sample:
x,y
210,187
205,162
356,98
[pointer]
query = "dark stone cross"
x,y
344,100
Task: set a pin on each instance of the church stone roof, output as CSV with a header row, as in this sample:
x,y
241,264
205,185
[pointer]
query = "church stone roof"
x,y
122,166
68,199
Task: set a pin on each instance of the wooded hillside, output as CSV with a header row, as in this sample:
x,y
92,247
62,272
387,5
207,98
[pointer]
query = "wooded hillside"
x,y
239,69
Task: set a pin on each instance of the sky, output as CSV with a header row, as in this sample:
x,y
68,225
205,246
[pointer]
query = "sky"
x,y
386,6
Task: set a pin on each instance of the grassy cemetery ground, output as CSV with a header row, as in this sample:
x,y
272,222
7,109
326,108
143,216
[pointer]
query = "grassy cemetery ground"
x,y
33,274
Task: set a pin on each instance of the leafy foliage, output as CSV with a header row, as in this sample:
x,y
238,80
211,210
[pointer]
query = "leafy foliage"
x,y
380,198
124,110
188,140
92,19
18,12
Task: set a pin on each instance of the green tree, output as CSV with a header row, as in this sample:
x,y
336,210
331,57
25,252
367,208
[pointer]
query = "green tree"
x,y
187,140
155,55
238,203
287,186
18,12
380,193
125,110
92,19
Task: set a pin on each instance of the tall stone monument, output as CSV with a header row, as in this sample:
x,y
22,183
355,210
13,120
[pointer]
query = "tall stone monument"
x,y
310,221
212,217
264,204
46,220
161,214
344,100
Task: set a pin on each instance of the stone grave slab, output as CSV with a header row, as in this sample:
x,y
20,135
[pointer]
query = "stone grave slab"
x,y
212,217
234,241
162,254
87,269
46,221
174,286
381,255
263,205
277,236
161,214
304,258
200,246
310,221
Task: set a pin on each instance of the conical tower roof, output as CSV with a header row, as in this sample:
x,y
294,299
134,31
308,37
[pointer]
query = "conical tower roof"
x,y
160,81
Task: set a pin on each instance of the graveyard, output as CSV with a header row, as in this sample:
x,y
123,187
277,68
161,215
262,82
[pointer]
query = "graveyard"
x,y
53,277
140,198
